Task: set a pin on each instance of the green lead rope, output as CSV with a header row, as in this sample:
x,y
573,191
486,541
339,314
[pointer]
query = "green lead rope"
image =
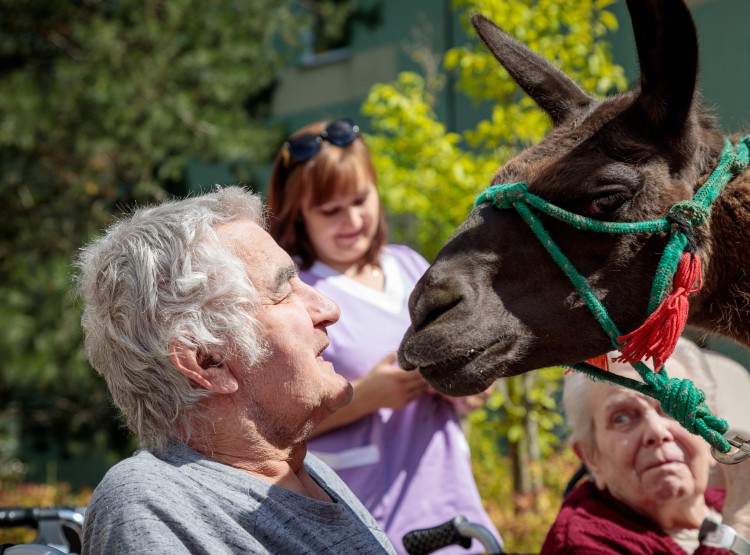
x,y
680,399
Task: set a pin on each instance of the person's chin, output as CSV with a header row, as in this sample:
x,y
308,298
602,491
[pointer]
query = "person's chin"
x,y
343,395
669,482
354,249
347,391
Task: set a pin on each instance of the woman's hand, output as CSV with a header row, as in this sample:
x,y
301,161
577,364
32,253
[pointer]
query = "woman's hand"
x,y
388,386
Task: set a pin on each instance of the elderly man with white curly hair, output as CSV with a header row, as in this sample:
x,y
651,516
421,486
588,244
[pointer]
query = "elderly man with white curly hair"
x,y
210,346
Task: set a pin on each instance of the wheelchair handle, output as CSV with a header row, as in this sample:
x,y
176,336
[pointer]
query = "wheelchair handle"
x,y
57,527
457,531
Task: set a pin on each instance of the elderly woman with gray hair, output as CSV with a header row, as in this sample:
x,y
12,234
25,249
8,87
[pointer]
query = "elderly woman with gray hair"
x,y
648,491
210,345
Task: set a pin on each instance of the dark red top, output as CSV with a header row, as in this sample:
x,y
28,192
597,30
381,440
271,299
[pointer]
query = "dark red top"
x,y
593,522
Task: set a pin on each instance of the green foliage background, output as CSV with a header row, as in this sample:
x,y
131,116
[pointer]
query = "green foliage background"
x,y
102,104
430,175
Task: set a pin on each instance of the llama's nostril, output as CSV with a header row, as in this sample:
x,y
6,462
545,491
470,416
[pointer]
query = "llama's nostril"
x,y
433,303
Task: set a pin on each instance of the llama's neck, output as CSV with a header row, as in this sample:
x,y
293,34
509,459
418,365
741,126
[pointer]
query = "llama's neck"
x,y
724,304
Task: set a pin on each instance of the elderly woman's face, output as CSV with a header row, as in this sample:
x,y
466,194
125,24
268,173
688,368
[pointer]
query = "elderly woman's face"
x,y
643,457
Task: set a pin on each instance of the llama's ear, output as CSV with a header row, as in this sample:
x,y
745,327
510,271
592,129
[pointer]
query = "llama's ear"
x,y
667,44
554,92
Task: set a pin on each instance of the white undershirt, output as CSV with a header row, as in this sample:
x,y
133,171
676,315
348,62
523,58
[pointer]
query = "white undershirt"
x,y
687,538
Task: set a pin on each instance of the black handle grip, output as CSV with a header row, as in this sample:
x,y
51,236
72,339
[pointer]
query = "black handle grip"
x,y
429,540
12,517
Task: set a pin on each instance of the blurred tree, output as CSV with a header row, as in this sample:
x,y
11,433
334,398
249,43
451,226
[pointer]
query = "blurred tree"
x,y
430,176
102,103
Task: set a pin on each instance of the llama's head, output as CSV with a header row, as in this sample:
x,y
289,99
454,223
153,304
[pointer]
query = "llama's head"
x,y
494,303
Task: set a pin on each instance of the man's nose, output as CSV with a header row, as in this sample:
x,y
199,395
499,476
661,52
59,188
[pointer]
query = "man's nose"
x,y
323,310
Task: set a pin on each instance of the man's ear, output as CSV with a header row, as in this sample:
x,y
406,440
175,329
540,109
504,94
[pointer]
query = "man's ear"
x,y
202,368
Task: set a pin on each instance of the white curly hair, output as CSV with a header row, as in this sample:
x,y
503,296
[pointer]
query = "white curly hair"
x,y
158,275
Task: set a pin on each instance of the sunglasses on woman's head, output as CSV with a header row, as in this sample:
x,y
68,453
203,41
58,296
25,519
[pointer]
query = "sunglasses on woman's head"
x,y
341,132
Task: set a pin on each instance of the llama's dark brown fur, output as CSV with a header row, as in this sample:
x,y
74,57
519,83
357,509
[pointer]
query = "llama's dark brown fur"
x,y
495,304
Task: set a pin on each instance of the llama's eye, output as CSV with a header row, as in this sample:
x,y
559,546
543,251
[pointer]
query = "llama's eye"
x,y
606,205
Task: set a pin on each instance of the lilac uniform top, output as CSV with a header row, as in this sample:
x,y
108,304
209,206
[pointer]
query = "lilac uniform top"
x,y
410,468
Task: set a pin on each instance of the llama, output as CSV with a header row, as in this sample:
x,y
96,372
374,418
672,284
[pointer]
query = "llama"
x,y
496,304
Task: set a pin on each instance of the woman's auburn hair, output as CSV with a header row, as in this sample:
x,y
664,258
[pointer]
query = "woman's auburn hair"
x,y
332,171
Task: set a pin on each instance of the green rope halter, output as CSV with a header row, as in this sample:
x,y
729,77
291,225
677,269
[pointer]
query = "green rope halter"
x,y
680,399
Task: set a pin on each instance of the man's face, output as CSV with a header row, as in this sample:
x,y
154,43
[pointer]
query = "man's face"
x,y
643,457
292,389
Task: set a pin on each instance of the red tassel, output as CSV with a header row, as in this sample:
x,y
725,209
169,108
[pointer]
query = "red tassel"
x,y
657,336
602,362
